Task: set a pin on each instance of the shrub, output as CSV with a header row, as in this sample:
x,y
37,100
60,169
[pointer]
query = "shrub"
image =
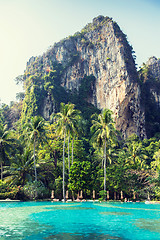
x,y
35,190
58,187
102,194
7,191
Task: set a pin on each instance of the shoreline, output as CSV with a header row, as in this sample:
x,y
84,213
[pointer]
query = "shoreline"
x,y
9,200
79,201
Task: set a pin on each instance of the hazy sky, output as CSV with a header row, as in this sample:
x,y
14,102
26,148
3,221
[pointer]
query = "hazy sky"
x,y
29,27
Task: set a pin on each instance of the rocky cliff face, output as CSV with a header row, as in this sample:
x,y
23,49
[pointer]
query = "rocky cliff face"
x,y
153,65
150,95
101,50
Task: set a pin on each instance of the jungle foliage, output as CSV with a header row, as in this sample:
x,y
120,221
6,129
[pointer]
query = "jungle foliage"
x,y
131,166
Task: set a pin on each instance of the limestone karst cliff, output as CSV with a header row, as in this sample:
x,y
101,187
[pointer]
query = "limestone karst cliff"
x,y
153,65
100,50
150,94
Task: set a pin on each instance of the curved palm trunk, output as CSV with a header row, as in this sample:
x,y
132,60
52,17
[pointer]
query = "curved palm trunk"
x,y
1,171
35,170
64,166
105,164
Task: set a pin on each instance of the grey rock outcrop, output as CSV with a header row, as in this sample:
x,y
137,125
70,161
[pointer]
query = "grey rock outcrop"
x,y
153,65
101,50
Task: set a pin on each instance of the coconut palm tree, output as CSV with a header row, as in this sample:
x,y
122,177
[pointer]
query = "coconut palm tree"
x,y
6,144
21,169
136,154
76,128
103,134
67,120
36,132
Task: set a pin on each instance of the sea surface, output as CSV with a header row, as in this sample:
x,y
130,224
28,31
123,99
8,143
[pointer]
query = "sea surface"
x,y
78,221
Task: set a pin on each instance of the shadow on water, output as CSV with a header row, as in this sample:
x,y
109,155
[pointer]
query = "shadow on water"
x,y
68,208
70,236
115,213
152,225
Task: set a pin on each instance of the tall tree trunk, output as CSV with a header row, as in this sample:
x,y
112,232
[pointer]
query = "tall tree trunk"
x,y
72,151
105,165
115,196
107,195
1,170
68,155
34,157
64,166
103,161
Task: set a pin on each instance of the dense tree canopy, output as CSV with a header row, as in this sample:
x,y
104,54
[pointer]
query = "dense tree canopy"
x,y
36,158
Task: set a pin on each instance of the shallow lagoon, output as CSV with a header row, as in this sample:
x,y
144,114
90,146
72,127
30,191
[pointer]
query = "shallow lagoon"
x,y
78,221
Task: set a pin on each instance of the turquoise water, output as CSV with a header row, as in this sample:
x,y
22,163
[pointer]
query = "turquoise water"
x,y
78,221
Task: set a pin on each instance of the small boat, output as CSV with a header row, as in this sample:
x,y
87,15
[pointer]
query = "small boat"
x,y
147,202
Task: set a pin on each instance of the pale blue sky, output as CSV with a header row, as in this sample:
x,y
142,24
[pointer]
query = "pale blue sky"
x,y
29,27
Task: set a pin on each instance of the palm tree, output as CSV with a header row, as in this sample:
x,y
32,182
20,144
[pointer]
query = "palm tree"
x,y
103,134
35,130
136,155
76,128
67,120
20,170
6,144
